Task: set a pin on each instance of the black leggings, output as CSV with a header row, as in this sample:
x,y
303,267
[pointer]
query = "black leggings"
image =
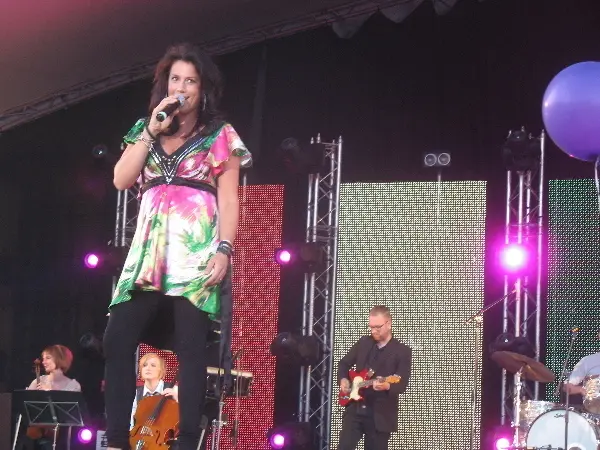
x,y
126,324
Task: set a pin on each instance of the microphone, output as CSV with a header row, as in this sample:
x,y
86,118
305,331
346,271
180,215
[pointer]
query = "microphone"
x,y
575,330
170,109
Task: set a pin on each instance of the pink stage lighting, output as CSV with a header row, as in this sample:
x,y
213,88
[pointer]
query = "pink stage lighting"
x,y
91,260
277,441
502,443
514,257
85,435
283,256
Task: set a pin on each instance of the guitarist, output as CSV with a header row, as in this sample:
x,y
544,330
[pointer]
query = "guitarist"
x,y
376,416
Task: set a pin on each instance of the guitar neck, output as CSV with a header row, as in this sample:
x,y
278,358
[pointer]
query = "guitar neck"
x,y
370,382
366,383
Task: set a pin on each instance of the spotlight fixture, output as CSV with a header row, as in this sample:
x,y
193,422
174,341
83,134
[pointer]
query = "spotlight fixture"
x,y
91,260
439,159
521,151
85,435
516,258
296,349
101,152
501,438
301,160
291,436
308,256
109,260
507,342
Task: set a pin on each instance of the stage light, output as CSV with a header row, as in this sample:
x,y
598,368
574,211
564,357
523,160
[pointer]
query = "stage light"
x,y
85,435
499,438
441,159
296,349
521,151
91,260
502,443
277,441
109,260
300,160
508,342
283,256
291,436
515,258
306,256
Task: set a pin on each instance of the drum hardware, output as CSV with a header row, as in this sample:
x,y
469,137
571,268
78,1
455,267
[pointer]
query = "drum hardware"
x,y
239,387
547,431
530,368
524,368
477,320
564,380
591,396
532,409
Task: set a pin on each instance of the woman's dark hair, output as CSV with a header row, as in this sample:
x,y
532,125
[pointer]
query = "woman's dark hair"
x,y
210,81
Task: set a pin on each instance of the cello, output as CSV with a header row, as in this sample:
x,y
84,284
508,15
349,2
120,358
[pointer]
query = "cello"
x,y
156,423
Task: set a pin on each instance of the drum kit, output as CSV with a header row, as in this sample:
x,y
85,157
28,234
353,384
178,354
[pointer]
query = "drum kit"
x,y
541,425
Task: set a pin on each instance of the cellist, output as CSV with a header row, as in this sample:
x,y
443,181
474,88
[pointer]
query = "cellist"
x,y
152,370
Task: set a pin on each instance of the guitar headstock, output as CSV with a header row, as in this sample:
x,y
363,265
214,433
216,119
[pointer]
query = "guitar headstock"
x,y
393,379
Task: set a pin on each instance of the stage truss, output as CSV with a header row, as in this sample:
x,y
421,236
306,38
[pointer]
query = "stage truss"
x,y
523,293
316,382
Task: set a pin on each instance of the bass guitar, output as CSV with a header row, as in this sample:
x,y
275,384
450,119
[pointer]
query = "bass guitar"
x,y
362,380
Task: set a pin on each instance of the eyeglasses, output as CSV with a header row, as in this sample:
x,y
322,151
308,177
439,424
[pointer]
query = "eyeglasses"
x,y
377,327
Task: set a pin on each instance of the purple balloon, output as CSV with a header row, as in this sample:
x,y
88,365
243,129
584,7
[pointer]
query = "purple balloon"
x,y
571,110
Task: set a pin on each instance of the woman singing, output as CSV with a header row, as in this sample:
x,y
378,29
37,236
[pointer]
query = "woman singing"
x,y
187,168
152,370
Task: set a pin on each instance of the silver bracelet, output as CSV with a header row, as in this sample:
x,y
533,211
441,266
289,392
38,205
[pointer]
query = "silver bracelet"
x,y
149,143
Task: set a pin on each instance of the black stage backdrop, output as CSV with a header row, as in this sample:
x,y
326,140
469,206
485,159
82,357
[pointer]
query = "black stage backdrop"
x,y
457,82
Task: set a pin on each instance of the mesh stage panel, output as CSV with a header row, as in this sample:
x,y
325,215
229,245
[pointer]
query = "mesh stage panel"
x,y
419,249
256,279
573,273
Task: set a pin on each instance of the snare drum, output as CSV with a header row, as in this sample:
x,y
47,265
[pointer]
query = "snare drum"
x,y
532,409
548,431
591,395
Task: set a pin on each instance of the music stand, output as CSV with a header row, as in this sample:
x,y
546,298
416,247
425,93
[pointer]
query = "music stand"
x,y
51,409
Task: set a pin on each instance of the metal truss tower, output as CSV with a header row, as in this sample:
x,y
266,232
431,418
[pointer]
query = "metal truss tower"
x,y
523,293
316,382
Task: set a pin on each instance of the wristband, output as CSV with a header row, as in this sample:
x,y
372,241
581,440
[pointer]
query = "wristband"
x,y
225,247
154,138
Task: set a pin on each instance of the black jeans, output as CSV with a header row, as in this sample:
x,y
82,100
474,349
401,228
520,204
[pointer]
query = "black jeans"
x,y
126,324
354,426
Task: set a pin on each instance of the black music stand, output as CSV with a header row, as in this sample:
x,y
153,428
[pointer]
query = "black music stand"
x,y
51,409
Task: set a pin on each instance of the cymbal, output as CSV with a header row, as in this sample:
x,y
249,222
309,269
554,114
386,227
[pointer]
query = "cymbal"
x,y
530,368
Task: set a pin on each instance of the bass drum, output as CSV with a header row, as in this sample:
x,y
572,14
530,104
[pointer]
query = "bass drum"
x,y
548,431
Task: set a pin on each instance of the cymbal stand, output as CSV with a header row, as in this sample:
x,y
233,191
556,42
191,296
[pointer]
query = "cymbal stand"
x,y
477,319
218,423
517,408
564,380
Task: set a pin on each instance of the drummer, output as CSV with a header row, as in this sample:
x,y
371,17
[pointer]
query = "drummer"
x,y
586,367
